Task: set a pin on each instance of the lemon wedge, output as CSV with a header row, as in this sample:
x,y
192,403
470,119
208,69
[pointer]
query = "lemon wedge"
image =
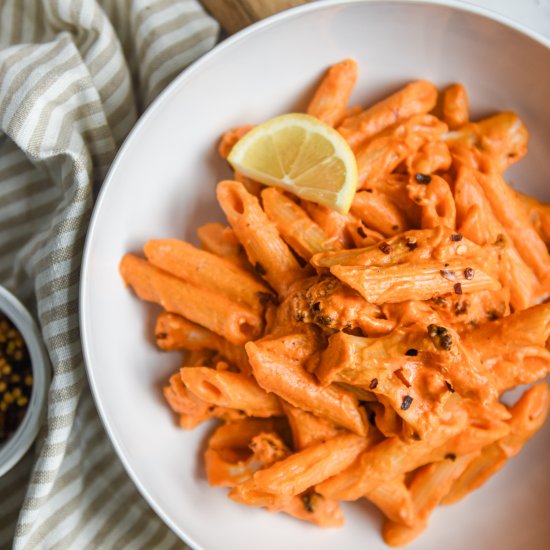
x,y
302,155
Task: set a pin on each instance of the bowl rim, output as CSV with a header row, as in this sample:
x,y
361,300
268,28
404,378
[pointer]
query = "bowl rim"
x,y
458,5
19,443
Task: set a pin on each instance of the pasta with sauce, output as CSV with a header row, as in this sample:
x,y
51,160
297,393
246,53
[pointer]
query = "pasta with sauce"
x,y
364,355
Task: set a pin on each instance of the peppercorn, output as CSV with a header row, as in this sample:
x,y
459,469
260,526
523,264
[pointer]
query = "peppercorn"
x,y
15,378
440,337
407,400
424,179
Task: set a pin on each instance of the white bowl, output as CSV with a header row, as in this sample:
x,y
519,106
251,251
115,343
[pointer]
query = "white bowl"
x,y
162,185
19,443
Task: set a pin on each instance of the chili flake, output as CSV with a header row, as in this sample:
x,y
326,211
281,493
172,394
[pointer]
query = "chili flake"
x,y
469,273
373,383
456,237
385,248
411,352
458,288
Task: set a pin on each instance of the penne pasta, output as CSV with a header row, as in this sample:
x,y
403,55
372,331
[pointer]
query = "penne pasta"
x,y
231,137
314,508
393,498
378,157
222,241
291,382
266,251
378,212
392,454
420,281
222,316
428,487
231,390
502,139
514,348
528,416
432,157
230,458
514,220
307,428
331,97
332,223
298,230
173,332
362,355
436,201
304,469
204,269
414,99
455,107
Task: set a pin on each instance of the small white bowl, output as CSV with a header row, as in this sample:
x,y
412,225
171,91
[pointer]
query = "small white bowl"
x,y
18,444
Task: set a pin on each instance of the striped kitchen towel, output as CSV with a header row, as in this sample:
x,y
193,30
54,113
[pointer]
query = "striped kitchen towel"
x,y
74,74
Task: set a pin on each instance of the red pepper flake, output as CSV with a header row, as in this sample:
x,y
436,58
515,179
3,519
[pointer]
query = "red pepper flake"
x,y
385,248
450,388
361,232
373,384
411,243
411,352
450,456
447,274
456,237
407,400
424,179
469,273
458,288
